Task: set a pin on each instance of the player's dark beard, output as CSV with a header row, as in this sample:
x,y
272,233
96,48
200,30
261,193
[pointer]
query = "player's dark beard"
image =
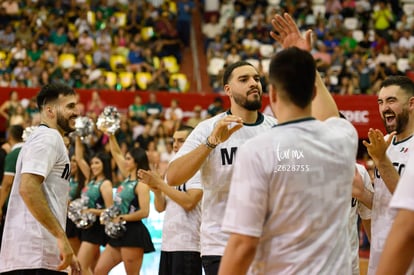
x,y
401,122
251,105
64,123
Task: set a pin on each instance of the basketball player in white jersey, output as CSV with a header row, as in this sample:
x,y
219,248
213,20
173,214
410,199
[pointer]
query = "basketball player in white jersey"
x,y
398,254
180,247
212,146
390,155
288,206
34,240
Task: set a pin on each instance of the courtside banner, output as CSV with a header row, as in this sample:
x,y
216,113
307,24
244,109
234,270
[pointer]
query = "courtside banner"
x,y
361,110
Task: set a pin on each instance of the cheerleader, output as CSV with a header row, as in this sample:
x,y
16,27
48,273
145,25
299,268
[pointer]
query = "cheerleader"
x,y
133,199
99,194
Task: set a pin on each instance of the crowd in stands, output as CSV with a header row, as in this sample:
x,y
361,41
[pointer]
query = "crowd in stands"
x,y
356,43
138,45
97,44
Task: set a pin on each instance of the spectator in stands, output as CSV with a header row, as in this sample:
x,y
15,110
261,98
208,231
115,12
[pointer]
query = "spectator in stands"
x,y
383,19
153,107
24,33
251,46
173,117
85,42
34,53
348,43
196,118
95,104
59,37
168,42
185,10
215,107
406,42
18,52
211,29
137,110
12,8
82,23
386,56
7,38
101,57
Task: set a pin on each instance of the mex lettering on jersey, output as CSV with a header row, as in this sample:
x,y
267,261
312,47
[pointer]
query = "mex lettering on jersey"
x,y
66,172
400,167
228,155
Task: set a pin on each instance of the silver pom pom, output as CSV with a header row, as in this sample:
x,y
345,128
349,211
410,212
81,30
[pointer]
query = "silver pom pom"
x,y
113,229
84,126
75,213
27,132
109,121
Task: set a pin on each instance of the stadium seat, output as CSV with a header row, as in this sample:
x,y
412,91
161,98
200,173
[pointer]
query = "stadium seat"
x,y
117,62
319,9
172,7
254,62
126,78
265,65
408,8
215,65
358,35
266,50
147,33
239,22
88,59
67,60
351,23
183,82
171,64
121,19
403,64
110,78
90,16
142,79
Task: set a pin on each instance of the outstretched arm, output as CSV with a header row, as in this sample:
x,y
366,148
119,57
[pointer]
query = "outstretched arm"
x,y
183,168
287,33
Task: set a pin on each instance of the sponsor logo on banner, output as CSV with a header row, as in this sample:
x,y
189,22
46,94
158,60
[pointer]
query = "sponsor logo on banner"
x,y
356,116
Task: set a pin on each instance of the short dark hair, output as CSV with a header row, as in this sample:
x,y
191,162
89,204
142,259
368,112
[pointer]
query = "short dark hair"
x,y
230,68
404,82
51,92
16,132
294,70
187,128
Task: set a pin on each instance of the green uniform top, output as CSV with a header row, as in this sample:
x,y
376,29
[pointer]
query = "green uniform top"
x,y
93,193
126,198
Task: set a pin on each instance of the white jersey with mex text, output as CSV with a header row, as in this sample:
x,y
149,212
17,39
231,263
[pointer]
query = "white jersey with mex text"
x,y
216,173
382,215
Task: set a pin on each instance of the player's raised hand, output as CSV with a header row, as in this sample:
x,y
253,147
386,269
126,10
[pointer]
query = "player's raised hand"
x,y
287,33
225,128
377,145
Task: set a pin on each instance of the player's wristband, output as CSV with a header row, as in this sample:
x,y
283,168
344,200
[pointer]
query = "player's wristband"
x,y
211,145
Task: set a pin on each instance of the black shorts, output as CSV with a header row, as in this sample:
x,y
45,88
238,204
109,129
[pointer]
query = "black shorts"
x,y
211,264
40,271
71,230
180,263
136,235
95,234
